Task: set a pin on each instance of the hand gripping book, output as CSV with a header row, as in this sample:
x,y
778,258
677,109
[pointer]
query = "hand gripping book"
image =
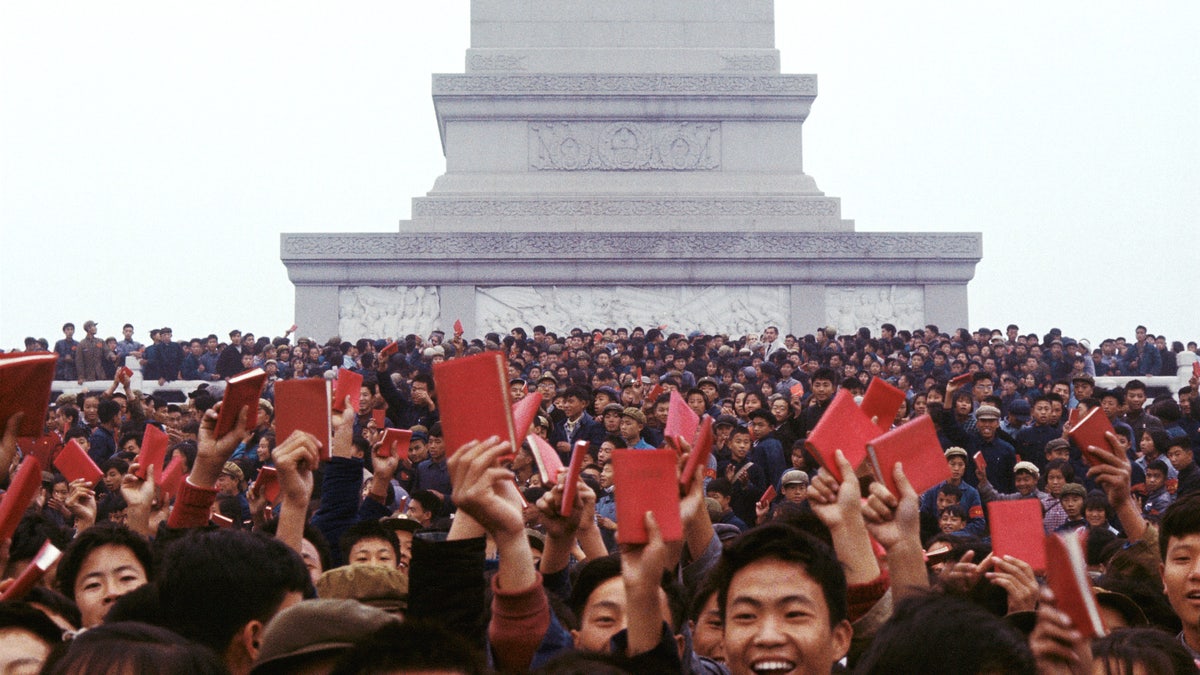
x,y
472,393
915,445
843,427
305,405
645,481
241,391
25,381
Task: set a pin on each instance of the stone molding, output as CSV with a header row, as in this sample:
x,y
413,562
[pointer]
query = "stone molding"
x,y
447,84
624,146
497,62
744,62
434,207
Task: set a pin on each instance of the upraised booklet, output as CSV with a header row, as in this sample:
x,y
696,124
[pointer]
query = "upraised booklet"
x,y
349,383
23,487
1018,530
645,481
1090,431
46,556
173,476
1066,575
546,458
73,463
472,393
882,401
682,421
524,412
241,391
915,444
701,451
571,484
25,381
154,452
395,442
843,427
267,484
304,405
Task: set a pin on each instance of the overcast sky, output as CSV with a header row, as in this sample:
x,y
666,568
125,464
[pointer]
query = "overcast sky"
x,y
152,152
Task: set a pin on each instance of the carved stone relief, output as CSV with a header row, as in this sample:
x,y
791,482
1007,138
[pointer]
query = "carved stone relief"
x,y
852,307
803,85
712,309
390,311
624,146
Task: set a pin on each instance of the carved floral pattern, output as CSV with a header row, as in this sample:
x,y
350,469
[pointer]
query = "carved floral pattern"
x,y
427,207
653,84
609,146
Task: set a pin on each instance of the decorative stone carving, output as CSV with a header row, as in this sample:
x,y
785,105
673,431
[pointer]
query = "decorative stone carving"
x,y
624,146
497,62
805,85
712,309
427,207
392,311
852,307
643,245
749,61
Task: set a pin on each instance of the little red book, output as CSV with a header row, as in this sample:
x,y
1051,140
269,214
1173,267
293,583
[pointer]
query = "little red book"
x,y
241,391
395,442
23,487
882,401
1073,417
221,521
380,417
74,463
701,450
645,481
154,452
843,427
1090,432
125,372
349,383
768,495
25,381
458,327
173,476
546,457
1067,577
472,393
981,461
267,484
42,448
682,421
797,390
46,556
304,405
914,444
389,349
655,392
524,412
1018,530
960,380
571,484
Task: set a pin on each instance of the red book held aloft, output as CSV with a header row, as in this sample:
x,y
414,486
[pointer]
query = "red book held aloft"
x,y
882,401
395,442
304,405
154,452
389,349
1090,431
524,412
380,417
267,484
548,462
571,484
768,495
241,391
682,421
458,327
46,556
1018,530
74,463
349,383
173,476
25,381
915,445
843,427
1067,577
472,393
645,481
701,450
23,487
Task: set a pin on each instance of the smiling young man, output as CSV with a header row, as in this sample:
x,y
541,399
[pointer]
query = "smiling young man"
x,y
1179,546
782,595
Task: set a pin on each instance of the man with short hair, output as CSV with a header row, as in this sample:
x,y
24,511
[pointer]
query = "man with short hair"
x,y
1142,357
632,421
956,459
89,355
1032,440
766,451
1136,415
1179,550
1158,499
1179,453
578,424
823,389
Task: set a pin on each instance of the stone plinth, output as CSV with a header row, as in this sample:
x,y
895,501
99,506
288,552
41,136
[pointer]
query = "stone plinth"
x,y
623,163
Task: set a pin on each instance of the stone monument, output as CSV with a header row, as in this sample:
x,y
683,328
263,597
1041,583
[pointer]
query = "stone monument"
x,y
621,163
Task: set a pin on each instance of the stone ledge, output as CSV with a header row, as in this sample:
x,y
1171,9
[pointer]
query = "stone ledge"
x,y
445,84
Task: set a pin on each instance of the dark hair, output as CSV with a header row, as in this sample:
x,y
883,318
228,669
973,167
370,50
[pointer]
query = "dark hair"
x,y
596,571
1158,465
312,534
107,410
1155,650
55,603
1180,519
1064,467
826,374
412,646
763,413
945,634
428,501
785,543
250,572
721,486
101,534
23,616
368,529
128,646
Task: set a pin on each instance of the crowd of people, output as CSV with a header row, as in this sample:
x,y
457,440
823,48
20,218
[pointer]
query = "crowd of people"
x,y
351,560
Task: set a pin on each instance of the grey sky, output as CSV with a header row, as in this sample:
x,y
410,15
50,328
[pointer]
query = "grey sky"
x,y
151,153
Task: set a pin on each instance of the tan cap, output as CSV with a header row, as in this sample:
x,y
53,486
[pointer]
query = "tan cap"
x,y
376,585
956,452
315,626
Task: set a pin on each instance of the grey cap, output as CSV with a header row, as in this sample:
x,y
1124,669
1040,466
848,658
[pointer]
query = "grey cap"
x,y
794,477
315,626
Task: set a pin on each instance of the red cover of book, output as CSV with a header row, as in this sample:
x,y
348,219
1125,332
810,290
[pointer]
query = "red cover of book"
x,y
681,420
655,392
23,487
380,417
916,445
173,476
74,463
524,412
389,349
960,380
472,393
1090,431
768,495
154,452
548,462
42,448
797,390
1018,530
395,441
349,383
267,484
843,427
1073,417
1196,368
25,381
304,405
125,373
701,451
220,520
1066,575
882,401
241,391
458,327
645,480
981,461
571,484
46,556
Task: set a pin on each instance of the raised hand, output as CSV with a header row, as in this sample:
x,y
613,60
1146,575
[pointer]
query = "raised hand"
x,y
480,488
